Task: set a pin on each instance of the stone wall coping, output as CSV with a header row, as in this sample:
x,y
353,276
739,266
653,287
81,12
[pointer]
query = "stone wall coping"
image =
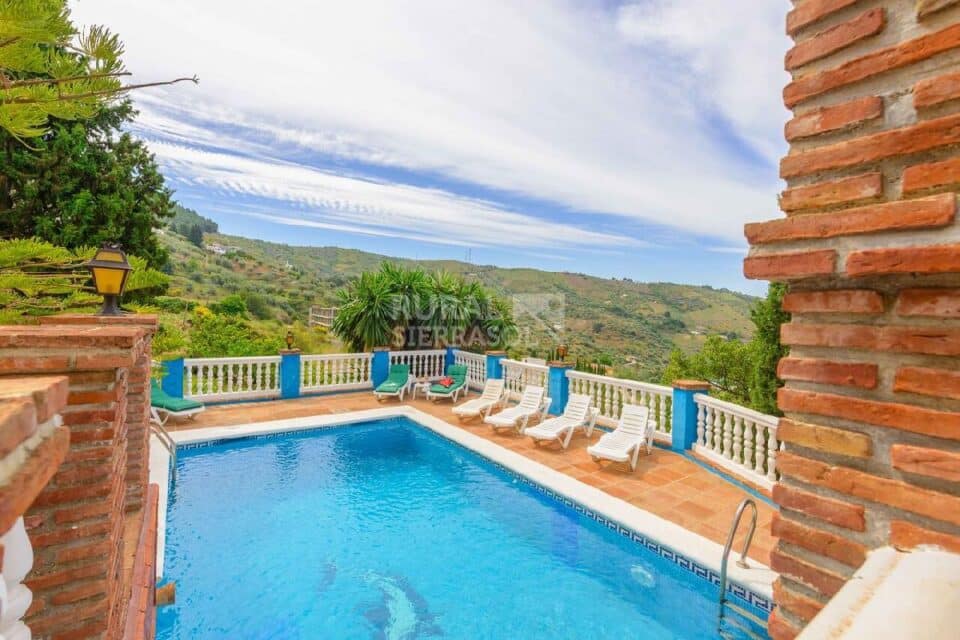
x,y
148,321
72,336
48,394
691,385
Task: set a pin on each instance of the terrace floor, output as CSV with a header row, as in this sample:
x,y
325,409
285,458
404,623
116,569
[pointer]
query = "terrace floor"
x,y
665,483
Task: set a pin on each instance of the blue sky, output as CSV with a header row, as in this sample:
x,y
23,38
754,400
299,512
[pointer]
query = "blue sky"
x,y
622,139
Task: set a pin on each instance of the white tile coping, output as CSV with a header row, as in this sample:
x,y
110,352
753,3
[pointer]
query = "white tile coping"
x,y
758,578
895,595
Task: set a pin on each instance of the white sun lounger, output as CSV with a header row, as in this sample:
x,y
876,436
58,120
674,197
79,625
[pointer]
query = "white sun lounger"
x,y
532,403
482,406
623,444
578,413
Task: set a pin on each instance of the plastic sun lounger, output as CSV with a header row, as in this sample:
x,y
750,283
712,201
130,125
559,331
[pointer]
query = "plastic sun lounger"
x,y
492,396
624,443
533,403
164,406
396,384
578,413
459,374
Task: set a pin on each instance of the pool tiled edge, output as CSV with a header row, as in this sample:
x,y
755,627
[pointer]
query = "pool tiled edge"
x,y
688,550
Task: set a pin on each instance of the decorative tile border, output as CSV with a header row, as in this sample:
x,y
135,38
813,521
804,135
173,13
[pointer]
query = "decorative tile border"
x,y
746,596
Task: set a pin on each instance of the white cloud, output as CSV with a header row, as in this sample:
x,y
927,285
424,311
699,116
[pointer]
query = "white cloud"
x,y
327,200
561,101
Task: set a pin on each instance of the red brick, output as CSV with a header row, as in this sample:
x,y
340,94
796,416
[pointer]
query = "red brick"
x,y
837,118
807,12
27,363
874,63
18,421
834,301
790,265
937,303
835,38
934,91
63,535
927,213
906,417
933,463
842,442
939,383
21,490
800,605
846,374
944,258
856,189
926,8
810,575
842,514
64,576
928,340
779,628
57,336
818,541
905,535
84,551
932,175
866,486
48,393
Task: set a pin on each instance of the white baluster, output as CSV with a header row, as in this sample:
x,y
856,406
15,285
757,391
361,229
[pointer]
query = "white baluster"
x,y
737,439
710,441
748,427
701,429
727,435
772,454
760,452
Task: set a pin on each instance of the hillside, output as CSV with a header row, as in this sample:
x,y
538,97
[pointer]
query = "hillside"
x,y
635,324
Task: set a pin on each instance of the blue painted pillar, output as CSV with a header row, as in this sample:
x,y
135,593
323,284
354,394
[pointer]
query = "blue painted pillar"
x,y
289,373
380,367
494,370
449,359
172,382
558,386
684,431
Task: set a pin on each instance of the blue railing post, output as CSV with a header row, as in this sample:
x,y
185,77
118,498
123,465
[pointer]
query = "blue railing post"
x,y
558,386
450,358
380,367
494,369
289,373
172,382
684,432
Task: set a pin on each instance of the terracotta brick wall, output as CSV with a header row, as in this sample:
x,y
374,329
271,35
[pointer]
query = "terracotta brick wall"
x,y
76,523
870,244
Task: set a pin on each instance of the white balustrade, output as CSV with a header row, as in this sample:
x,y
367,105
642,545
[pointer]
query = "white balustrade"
x,y
610,394
517,375
476,364
423,364
335,372
211,379
740,440
15,597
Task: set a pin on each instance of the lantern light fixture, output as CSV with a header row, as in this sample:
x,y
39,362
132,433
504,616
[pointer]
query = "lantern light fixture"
x,y
289,339
562,352
110,270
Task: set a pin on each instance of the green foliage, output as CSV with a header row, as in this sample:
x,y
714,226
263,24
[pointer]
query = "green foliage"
x,y
744,373
173,304
195,235
767,316
38,278
169,342
215,335
258,305
409,308
83,184
185,219
232,305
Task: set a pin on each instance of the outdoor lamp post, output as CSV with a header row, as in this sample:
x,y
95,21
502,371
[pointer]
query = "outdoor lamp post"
x,y
561,352
110,269
289,339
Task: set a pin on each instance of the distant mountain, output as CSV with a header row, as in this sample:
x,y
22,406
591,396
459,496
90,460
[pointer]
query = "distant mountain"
x,y
635,324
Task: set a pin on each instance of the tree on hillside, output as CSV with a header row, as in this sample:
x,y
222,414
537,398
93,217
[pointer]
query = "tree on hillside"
x,y
195,235
740,372
409,308
48,69
83,184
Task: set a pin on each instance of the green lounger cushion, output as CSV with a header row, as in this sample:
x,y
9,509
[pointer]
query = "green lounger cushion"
x,y
459,374
160,399
396,380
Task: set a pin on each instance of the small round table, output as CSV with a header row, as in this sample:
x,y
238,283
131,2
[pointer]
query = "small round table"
x,y
421,387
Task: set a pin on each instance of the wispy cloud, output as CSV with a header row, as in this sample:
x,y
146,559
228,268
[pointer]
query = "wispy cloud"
x,y
654,111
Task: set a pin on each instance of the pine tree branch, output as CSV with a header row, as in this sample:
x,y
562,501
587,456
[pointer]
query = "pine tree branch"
x,y
95,94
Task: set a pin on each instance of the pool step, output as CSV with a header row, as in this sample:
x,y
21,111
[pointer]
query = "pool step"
x,y
744,621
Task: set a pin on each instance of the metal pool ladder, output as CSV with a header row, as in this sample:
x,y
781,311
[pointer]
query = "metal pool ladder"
x,y
742,562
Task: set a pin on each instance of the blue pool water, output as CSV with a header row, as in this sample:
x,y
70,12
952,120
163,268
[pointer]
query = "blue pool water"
x,y
386,530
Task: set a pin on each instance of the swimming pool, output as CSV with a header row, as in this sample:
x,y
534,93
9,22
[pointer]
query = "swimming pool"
x,y
387,530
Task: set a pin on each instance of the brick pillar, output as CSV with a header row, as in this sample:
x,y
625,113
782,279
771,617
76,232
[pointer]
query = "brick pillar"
x,y
138,397
76,524
870,247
